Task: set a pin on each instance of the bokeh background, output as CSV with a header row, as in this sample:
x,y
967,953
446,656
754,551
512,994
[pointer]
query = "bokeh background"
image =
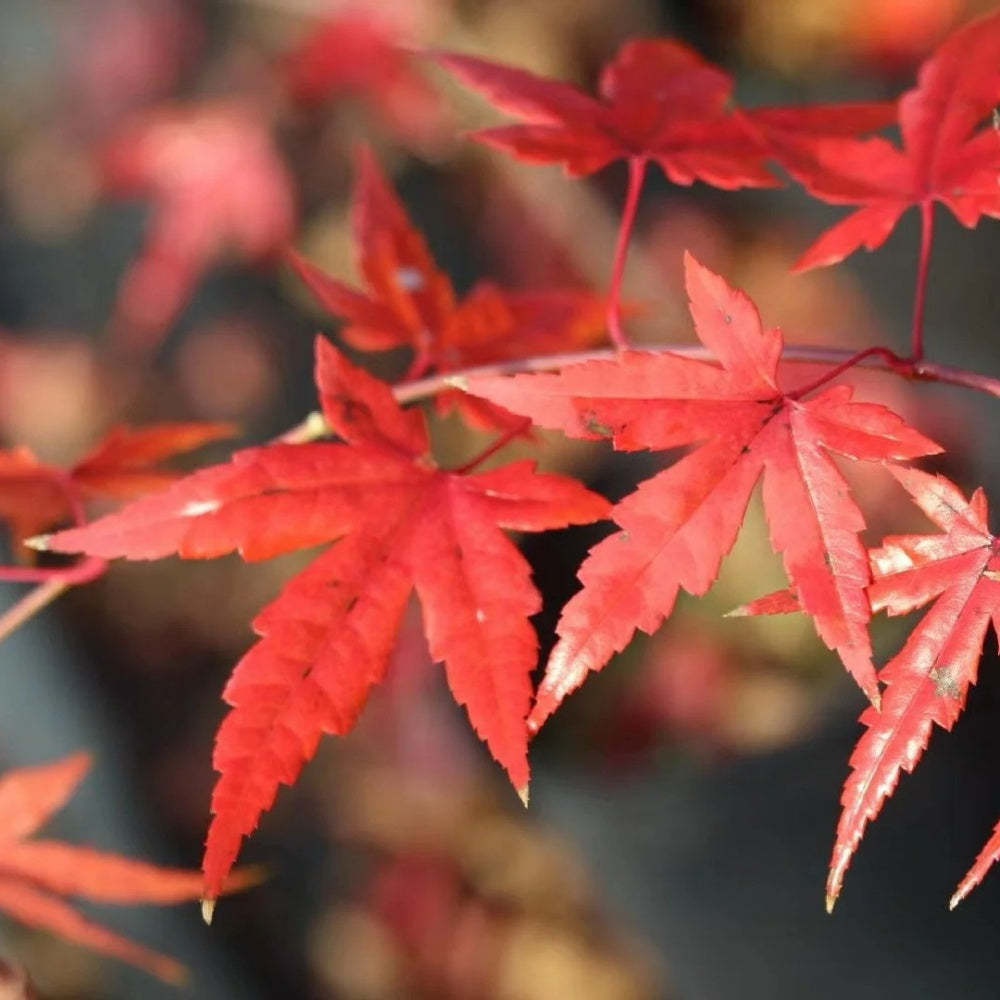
x,y
684,802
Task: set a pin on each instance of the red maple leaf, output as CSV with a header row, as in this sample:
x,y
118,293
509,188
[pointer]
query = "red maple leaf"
x,y
678,525
928,679
409,302
360,53
945,156
658,99
400,523
34,874
217,185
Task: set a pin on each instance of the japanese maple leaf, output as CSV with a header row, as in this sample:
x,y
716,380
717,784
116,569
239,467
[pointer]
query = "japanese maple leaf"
x,y
945,155
677,526
217,185
360,53
400,523
35,496
957,572
34,874
408,302
657,99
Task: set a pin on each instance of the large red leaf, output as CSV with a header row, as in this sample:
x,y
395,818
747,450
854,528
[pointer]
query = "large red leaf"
x,y
928,679
35,873
945,155
678,525
399,523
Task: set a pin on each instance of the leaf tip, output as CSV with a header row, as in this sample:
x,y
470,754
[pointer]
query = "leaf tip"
x,y
523,795
459,382
831,901
207,910
40,543
956,899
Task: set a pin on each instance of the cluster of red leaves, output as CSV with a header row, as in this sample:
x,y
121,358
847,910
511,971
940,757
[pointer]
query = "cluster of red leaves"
x,y
34,874
398,522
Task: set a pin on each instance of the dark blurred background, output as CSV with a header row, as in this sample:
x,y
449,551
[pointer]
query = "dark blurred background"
x,y
684,802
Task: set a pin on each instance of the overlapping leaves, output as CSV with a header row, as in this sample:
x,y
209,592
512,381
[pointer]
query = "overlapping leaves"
x,y
36,496
409,302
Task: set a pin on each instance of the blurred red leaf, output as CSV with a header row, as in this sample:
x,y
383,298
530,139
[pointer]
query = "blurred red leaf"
x,y
217,185
361,53
657,99
35,496
34,874
124,463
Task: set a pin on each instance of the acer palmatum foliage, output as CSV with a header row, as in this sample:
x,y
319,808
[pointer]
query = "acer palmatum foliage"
x,y
399,523
409,302
928,679
950,152
395,521
677,526
35,874
201,167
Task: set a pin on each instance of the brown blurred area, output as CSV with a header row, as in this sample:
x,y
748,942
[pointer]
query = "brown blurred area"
x,y
401,867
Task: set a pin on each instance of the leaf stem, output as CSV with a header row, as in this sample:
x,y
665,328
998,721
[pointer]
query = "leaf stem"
x,y
874,358
920,289
501,442
636,176
893,362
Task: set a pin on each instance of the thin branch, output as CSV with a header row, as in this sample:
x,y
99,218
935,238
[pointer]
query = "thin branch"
x,y
893,362
45,593
872,358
